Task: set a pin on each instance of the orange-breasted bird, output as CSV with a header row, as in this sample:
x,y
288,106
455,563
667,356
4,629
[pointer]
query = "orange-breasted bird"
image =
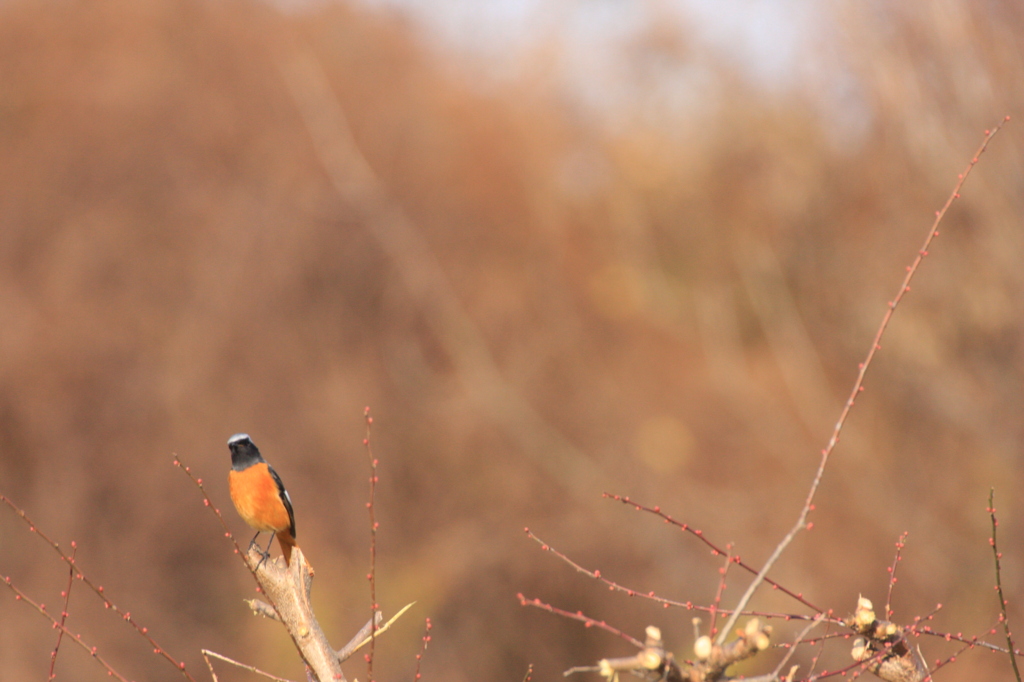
x,y
259,495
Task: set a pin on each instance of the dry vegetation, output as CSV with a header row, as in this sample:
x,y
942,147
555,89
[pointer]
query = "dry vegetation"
x,y
662,302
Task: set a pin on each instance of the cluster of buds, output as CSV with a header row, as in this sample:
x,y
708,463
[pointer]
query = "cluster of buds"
x,y
883,647
653,662
711,660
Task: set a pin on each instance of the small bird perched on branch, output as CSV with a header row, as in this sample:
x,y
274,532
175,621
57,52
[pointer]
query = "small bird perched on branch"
x,y
259,495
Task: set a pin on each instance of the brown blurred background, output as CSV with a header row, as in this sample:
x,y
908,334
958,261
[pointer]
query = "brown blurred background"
x,y
632,263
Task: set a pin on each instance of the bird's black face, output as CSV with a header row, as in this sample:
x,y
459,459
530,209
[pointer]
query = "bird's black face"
x,y
244,452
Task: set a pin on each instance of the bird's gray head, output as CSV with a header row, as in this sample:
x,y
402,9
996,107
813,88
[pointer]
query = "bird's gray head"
x,y
239,438
244,452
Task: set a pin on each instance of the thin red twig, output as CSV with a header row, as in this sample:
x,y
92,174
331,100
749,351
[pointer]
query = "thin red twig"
x,y
63,613
665,602
98,590
858,385
77,639
821,638
208,503
816,658
423,650
586,620
968,644
1004,617
976,640
372,576
857,668
892,573
699,534
792,648
717,604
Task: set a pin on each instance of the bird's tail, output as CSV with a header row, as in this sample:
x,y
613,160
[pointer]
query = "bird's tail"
x,y
287,541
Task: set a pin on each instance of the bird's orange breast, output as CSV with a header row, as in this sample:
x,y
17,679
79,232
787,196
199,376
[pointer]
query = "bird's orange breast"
x,y
257,499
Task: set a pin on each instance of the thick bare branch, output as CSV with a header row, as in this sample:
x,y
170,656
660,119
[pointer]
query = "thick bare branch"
x,y
289,586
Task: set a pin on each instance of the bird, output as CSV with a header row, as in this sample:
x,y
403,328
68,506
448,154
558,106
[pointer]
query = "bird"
x,y
259,495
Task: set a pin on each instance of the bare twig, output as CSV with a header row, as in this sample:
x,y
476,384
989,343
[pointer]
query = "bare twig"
x,y
586,620
77,639
892,574
973,640
1004,617
126,616
362,637
426,640
581,669
717,604
244,666
968,643
372,577
800,639
792,648
664,601
858,385
206,659
63,612
208,503
717,551
262,608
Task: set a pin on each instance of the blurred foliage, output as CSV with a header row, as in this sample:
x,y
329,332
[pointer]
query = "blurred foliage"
x,y
665,297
